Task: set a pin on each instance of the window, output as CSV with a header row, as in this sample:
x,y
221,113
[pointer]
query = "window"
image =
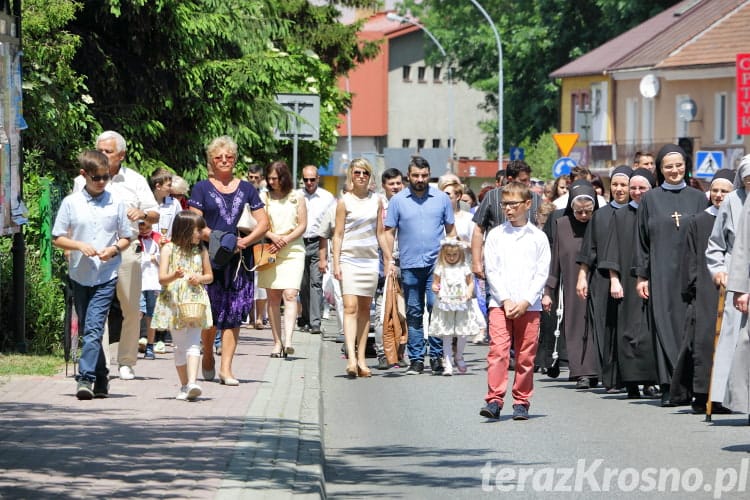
x,y
405,143
735,137
420,74
436,143
420,144
681,124
631,120
436,74
581,113
647,121
720,118
406,73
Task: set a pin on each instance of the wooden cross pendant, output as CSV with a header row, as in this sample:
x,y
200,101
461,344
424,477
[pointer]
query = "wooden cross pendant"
x,y
676,216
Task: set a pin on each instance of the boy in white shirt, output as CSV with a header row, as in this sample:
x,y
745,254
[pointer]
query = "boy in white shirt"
x,y
516,260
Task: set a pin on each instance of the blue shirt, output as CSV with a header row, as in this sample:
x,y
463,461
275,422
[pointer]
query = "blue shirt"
x,y
421,222
100,222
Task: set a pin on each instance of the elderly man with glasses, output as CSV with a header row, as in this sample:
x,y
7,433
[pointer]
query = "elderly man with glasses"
x,y
319,202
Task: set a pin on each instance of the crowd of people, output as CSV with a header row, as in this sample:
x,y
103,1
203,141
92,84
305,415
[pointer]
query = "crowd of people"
x,y
623,290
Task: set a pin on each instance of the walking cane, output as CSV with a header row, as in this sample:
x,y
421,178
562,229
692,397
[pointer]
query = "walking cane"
x,y
719,319
554,370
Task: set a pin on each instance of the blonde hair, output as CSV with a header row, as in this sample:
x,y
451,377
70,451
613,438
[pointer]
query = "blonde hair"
x,y
450,243
358,163
221,142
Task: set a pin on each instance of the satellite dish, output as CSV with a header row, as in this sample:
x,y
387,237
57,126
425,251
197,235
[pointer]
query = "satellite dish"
x,y
687,110
649,86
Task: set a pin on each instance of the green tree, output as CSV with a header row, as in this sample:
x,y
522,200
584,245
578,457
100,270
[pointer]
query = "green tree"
x,y
173,74
537,37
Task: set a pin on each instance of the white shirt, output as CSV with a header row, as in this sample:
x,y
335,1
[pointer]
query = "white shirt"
x,y
317,204
516,264
150,263
128,187
167,211
100,222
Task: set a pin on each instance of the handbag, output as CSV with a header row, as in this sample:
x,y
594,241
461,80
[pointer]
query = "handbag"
x,y
247,222
263,257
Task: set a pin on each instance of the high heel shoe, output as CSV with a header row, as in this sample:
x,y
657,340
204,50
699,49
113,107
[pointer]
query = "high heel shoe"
x,y
352,371
363,372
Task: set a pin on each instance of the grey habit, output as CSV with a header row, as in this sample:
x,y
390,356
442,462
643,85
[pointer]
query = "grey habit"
x,y
731,370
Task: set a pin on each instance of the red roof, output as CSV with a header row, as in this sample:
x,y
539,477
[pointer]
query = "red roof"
x,y
717,45
652,41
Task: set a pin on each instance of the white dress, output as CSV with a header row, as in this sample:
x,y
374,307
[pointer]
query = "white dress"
x,y
452,314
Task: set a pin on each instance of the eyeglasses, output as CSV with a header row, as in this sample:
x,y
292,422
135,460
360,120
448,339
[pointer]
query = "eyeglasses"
x,y
224,157
99,178
360,173
309,179
510,204
586,211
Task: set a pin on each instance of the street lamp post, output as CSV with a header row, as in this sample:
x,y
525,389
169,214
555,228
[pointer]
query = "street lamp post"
x,y
392,16
499,84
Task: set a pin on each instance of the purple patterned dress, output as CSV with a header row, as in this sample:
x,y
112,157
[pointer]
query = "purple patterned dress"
x,y
231,292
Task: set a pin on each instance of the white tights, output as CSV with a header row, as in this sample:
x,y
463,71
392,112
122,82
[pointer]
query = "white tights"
x,y
186,343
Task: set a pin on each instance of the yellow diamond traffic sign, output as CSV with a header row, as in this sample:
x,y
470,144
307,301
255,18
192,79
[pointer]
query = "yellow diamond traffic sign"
x,y
565,141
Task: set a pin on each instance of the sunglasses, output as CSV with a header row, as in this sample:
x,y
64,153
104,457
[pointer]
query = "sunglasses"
x,y
99,178
360,173
309,179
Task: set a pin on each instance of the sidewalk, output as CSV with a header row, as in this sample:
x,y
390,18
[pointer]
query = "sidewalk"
x,y
259,440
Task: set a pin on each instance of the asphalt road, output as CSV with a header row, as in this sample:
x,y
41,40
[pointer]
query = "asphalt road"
x,y
420,436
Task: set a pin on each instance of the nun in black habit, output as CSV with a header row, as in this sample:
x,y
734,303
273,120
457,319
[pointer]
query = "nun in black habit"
x,y
634,344
693,371
662,239
593,281
568,236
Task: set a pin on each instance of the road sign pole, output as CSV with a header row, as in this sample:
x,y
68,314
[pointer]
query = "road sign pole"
x,y
295,145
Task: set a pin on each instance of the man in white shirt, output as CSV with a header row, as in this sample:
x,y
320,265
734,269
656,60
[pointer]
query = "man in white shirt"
x,y
311,291
132,189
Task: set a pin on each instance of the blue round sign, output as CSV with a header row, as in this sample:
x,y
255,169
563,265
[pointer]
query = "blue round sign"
x,y
563,166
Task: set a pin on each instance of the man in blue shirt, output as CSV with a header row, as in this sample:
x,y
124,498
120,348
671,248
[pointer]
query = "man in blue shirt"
x,y
423,216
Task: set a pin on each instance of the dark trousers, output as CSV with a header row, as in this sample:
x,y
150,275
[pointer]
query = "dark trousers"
x,y
311,289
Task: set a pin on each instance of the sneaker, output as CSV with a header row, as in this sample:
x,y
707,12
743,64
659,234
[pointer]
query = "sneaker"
x,y
149,352
383,363
520,412
193,391
415,368
142,344
492,411
183,394
101,389
437,366
160,348
85,390
126,373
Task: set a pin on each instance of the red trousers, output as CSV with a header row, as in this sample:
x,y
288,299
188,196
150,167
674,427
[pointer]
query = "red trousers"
x,y
524,332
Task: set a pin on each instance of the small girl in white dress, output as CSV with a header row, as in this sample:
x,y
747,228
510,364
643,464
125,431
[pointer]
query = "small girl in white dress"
x,y
452,314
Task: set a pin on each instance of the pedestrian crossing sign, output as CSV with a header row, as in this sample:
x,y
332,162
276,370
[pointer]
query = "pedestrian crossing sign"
x,y
707,163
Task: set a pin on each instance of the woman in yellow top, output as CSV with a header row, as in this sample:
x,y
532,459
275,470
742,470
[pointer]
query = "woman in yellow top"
x,y
287,213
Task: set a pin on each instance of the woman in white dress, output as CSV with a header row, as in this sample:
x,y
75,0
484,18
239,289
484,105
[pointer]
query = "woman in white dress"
x,y
358,229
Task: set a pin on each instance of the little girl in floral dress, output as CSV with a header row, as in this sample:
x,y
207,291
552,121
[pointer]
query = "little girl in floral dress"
x,y
184,269
453,314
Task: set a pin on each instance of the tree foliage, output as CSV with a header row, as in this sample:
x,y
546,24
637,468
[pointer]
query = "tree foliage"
x,y
172,74
537,36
